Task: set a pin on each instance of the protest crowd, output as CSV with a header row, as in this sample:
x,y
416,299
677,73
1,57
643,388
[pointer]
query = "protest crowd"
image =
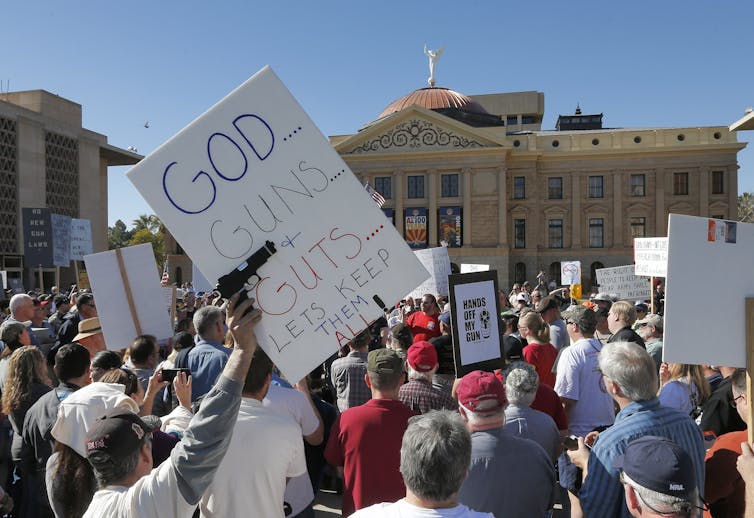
x,y
581,418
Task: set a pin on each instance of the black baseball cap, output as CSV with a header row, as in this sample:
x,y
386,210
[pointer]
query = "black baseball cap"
x,y
118,433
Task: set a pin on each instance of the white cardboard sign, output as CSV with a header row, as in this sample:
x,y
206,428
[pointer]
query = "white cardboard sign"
x,y
112,303
81,239
473,268
437,262
706,257
255,168
622,282
199,281
651,256
570,272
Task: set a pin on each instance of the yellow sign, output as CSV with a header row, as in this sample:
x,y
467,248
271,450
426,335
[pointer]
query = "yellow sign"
x,y
575,291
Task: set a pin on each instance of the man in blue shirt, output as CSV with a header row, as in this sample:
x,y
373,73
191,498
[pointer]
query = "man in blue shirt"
x,y
207,359
631,380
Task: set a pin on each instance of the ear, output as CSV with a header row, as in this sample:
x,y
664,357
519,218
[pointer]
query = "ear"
x,y
632,502
369,383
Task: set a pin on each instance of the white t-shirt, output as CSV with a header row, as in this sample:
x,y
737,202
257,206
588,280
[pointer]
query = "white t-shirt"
x,y
292,403
578,378
402,509
265,449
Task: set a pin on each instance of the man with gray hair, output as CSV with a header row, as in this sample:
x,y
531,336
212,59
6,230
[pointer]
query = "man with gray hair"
x,y
419,394
207,359
521,383
21,308
509,476
650,329
630,378
435,455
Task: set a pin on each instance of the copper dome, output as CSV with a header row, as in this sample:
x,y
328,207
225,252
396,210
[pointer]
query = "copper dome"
x,y
434,99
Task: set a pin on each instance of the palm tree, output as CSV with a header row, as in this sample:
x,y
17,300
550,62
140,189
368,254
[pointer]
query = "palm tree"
x,y
149,222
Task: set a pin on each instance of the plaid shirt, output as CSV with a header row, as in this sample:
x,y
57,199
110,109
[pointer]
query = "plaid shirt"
x,y
422,397
347,375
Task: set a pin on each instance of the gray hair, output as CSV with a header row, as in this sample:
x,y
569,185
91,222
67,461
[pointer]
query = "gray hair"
x,y
109,471
660,502
16,301
738,381
630,366
521,383
416,375
205,317
435,455
484,418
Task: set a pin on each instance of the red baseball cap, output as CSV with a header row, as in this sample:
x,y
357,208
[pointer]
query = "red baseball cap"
x,y
481,391
422,356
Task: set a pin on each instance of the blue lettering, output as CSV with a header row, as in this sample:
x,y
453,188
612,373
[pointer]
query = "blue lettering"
x,y
212,161
200,173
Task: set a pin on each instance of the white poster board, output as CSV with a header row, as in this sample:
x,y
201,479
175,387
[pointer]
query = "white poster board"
x,y
705,257
4,278
109,289
570,272
199,281
623,283
437,262
81,239
472,268
651,256
255,168
169,294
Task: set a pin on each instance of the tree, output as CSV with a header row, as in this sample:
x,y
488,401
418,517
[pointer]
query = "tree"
x,y
746,207
142,236
149,222
118,236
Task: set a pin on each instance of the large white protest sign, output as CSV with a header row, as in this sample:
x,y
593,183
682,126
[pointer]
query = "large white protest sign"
x,y
199,281
255,168
651,256
570,272
709,278
128,293
437,263
623,283
473,268
81,239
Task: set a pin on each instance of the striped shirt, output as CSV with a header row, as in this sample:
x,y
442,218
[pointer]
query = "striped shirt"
x,y
602,493
347,375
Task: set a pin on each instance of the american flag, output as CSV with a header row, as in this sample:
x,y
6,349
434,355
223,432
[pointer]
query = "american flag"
x,y
165,275
376,196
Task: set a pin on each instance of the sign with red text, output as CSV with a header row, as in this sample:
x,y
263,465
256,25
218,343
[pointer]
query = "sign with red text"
x,y
255,168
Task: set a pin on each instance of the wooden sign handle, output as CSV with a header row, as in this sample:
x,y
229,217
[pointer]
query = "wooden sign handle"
x,y
127,289
749,364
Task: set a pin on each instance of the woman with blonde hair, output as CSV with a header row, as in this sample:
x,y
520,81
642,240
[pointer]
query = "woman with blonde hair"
x,y
539,352
683,387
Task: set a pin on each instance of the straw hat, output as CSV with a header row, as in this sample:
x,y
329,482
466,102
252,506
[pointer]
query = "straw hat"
x,y
88,327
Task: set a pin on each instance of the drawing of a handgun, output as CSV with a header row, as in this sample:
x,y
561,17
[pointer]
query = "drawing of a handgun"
x,y
235,281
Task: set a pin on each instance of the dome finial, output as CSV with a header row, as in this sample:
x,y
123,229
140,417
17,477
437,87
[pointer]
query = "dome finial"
x,y
578,109
434,56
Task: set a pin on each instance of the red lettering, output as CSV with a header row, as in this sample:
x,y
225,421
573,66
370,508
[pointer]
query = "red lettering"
x,y
261,297
357,238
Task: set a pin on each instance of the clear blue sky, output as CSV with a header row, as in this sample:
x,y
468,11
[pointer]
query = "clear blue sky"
x,y
643,64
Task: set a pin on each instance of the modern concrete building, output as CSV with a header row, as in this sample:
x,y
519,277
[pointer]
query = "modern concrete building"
x,y
48,160
479,173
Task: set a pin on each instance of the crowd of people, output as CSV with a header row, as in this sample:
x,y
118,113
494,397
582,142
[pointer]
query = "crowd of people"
x,y
582,415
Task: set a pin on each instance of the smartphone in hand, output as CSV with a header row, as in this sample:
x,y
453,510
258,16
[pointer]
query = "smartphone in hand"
x,y
169,374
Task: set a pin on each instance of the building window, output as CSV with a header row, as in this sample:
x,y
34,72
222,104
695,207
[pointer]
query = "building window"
x,y
638,227
519,272
178,276
593,271
519,233
596,232
680,183
511,120
717,182
596,187
416,187
519,187
528,119
555,272
555,188
555,233
449,185
384,186
638,185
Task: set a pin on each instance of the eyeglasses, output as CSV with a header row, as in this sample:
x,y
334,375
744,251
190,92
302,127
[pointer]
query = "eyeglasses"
x,y
734,402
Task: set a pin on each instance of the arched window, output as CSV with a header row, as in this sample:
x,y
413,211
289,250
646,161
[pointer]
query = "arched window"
x,y
519,272
555,272
593,271
178,276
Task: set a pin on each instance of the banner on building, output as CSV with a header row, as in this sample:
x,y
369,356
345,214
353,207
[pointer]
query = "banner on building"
x,y
415,228
81,239
254,168
38,245
449,224
623,283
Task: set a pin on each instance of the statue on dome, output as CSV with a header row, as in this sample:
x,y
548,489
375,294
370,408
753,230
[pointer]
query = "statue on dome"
x,y
433,56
